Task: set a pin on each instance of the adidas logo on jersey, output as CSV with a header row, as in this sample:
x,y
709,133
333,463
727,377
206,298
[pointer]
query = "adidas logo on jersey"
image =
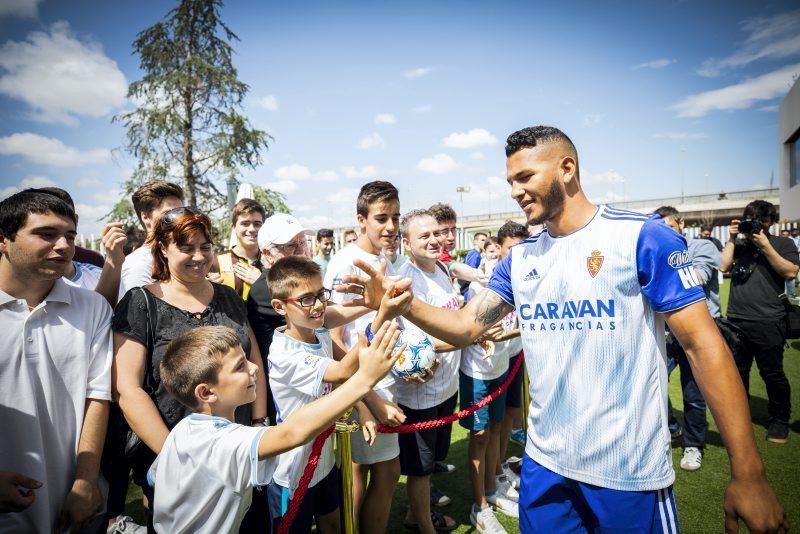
x,y
533,275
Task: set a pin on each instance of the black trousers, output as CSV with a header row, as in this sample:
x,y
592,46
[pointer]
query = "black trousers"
x,y
764,341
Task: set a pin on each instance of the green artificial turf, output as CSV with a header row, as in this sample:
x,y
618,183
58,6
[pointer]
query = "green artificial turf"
x,y
699,494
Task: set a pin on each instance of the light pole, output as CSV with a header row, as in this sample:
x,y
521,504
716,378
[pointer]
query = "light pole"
x,y
461,189
683,171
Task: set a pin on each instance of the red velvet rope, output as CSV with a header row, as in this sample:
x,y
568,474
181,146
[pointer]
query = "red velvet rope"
x,y
427,425
305,480
316,449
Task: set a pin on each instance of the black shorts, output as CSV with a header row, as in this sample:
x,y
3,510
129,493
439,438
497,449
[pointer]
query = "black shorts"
x,y
321,499
514,391
419,451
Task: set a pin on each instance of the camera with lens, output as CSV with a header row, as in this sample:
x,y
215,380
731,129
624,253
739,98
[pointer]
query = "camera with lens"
x,y
741,272
750,226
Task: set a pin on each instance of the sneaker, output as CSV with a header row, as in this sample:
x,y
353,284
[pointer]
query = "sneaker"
x,y
778,432
518,436
505,488
439,498
486,521
692,459
442,467
124,524
503,505
511,475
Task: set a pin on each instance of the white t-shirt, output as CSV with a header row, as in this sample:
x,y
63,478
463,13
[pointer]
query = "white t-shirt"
x,y
53,359
341,264
295,372
473,362
434,289
401,260
86,276
137,270
204,476
589,306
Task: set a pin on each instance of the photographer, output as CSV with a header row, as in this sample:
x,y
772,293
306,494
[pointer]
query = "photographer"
x,y
760,264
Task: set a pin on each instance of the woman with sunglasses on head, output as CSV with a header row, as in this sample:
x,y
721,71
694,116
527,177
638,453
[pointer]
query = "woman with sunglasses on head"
x,y
148,318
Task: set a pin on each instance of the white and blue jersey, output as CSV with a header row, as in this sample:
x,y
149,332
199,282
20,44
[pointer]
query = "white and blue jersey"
x,y
594,348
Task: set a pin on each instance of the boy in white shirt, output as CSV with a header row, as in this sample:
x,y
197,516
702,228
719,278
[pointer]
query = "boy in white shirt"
x,y
303,366
205,473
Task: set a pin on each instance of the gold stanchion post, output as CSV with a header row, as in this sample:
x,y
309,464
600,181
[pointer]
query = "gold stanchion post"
x,y
345,463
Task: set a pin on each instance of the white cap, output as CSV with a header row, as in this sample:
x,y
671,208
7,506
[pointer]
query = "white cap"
x,y
279,229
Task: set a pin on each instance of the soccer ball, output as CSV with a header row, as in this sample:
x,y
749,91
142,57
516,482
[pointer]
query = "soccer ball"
x,y
418,355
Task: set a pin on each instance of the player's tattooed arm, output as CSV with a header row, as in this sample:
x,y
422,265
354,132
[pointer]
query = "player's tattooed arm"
x,y
488,308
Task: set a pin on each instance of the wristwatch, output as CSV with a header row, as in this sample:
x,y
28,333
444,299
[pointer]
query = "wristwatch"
x,y
261,421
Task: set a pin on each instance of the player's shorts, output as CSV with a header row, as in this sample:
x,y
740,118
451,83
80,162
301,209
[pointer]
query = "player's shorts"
x,y
319,500
472,390
514,391
385,447
549,502
419,451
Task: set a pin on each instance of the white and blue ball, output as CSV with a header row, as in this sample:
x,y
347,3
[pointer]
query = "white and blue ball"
x,y
418,355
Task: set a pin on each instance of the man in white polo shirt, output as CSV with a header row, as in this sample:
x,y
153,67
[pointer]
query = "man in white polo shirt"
x,y
55,378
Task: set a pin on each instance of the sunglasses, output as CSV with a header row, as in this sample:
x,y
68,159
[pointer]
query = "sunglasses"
x,y
170,216
308,301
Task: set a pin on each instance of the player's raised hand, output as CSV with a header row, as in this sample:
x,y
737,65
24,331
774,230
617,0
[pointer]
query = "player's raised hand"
x,y
755,503
372,286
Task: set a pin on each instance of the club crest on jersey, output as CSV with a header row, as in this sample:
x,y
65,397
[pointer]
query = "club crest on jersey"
x,y
594,263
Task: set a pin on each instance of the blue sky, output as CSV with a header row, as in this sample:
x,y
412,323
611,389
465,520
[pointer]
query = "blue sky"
x,y
422,94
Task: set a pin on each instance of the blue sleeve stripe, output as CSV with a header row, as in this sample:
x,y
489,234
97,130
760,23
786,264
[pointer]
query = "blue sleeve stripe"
x,y
620,211
624,218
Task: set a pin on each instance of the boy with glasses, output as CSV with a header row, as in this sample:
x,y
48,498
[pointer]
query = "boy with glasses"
x,y
304,365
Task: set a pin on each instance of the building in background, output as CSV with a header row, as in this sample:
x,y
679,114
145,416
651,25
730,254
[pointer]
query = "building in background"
x,y
789,141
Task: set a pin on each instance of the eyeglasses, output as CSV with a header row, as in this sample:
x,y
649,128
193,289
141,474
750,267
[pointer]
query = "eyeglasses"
x,y
170,216
308,301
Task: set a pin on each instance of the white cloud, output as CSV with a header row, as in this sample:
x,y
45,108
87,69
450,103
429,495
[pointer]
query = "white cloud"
x,y
292,172
49,151
739,96
681,136
419,72
24,9
438,164
60,77
325,176
593,119
283,186
477,155
606,177
25,183
89,182
470,139
385,118
373,140
655,64
422,109
268,102
775,37
770,109
367,171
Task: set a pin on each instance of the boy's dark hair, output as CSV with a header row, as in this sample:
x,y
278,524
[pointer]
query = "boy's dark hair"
x,y
151,194
60,193
706,228
288,273
247,206
195,357
490,240
512,229
443,213
377,191
475,236
405,222
761,210
539,135
350,231
15,209
668,211
323,233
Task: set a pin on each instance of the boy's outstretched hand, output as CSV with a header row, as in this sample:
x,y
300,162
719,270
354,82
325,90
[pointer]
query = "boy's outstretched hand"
x,y
372,287
377,358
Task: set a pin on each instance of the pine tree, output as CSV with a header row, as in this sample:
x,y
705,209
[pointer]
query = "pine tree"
x,y
188,126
